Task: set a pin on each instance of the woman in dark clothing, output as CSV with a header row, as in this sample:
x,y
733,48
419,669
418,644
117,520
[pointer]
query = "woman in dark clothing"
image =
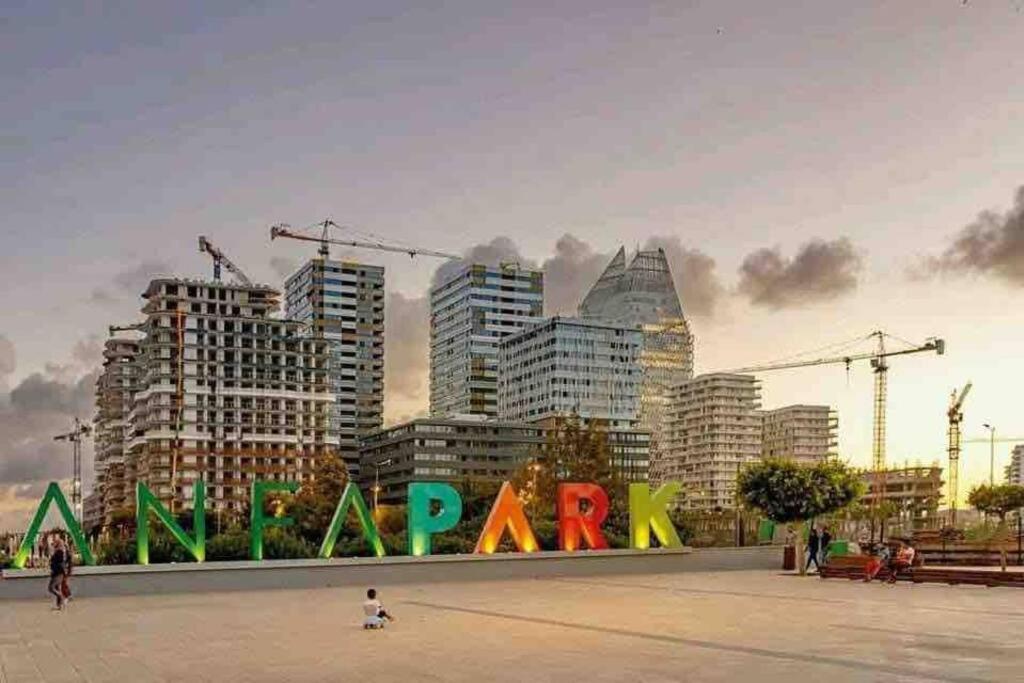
x,y
58,567
813,546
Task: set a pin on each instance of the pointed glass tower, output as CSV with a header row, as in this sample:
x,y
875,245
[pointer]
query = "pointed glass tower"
x,y
643,294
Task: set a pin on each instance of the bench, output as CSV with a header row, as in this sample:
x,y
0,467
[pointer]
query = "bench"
x,y
852,567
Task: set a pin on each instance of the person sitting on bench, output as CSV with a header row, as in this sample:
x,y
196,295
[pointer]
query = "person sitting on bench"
x,y
903,561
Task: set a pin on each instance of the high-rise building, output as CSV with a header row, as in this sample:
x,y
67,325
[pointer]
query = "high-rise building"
x,y
114,391
643,294
565,366
470,312
713,429
804,433
1015,470
343,302
223,392
915,490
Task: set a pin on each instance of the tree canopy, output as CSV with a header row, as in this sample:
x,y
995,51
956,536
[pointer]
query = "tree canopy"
x,y
997,500
785,491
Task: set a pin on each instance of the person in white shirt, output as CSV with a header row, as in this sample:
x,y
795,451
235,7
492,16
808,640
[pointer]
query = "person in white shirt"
x,y
374,613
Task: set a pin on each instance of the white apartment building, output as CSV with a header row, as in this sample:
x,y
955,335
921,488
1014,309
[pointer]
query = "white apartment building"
x,y
343,302
566,365
223,392
470,313
713,429
804,433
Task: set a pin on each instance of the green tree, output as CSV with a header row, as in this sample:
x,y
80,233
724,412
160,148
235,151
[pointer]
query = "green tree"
x,y
998,500
787,492
314,505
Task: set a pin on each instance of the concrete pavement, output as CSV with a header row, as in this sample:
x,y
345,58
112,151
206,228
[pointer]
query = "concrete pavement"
x,y
694,626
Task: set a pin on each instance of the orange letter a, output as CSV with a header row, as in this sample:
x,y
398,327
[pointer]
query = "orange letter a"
x,y
507,512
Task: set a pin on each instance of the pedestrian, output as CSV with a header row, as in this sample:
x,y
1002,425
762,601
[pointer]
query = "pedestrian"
x,y
58,564
65,584
826,539
813,546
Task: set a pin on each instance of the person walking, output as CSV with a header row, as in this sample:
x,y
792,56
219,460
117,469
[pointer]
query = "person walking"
x,y
813,546
58,565
65,584
826,540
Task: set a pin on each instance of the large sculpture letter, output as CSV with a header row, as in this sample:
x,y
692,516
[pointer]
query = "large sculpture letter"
x,y
507,512
421,524
53,494
145,501
648,512
257,521
573,522
351,497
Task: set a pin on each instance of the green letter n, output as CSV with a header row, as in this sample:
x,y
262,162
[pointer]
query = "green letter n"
x,y
145,501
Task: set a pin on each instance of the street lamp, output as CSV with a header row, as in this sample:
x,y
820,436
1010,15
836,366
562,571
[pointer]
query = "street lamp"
x,y
376,480
991,453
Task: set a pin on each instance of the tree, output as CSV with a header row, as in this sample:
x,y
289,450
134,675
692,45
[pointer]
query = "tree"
x,y
786,492
997,500
314,505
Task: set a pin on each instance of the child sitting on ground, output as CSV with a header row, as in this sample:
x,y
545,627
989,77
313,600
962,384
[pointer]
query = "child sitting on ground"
x,y
374,613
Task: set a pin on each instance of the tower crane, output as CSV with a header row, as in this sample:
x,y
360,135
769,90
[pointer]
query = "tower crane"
x,y
956,416
880,366
219,259
285,230
75,436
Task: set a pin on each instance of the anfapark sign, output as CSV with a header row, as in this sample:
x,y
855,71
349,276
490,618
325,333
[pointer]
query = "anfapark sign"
x,y
432,508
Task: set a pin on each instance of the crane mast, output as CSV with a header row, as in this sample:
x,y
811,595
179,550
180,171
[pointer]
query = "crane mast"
x,y
956,416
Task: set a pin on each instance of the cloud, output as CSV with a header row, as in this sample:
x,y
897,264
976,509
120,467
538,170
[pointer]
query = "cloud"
x,y
283,266
693,271
7,357
993,245
570,273
820,271
38,407
497,251
406,346
129,284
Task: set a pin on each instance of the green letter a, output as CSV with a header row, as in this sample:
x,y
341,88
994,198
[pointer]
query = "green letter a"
x,y
351,497
53,494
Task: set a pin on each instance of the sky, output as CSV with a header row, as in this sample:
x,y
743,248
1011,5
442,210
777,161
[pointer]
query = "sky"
x,y
815,171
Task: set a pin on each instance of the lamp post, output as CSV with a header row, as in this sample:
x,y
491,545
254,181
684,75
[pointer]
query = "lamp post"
x,y
991,453
376,481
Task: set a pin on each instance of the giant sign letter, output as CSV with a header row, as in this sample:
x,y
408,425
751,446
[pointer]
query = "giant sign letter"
x,y
648,512
421,524
145,501
574,522
507,512
257,520
351,497
53,494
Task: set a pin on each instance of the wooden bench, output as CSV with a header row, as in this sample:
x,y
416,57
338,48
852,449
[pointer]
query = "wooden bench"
x,y
852,567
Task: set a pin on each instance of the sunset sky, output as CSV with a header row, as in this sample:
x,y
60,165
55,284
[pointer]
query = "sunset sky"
x,y
815,170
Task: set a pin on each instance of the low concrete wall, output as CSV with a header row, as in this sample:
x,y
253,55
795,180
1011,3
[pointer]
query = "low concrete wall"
x,y
270,574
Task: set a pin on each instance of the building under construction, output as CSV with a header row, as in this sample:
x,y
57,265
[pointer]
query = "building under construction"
x,y
219,391
115,389
643,294
915,491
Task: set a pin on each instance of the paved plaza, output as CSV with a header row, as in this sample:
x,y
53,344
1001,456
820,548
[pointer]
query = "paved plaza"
x,y
695,626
